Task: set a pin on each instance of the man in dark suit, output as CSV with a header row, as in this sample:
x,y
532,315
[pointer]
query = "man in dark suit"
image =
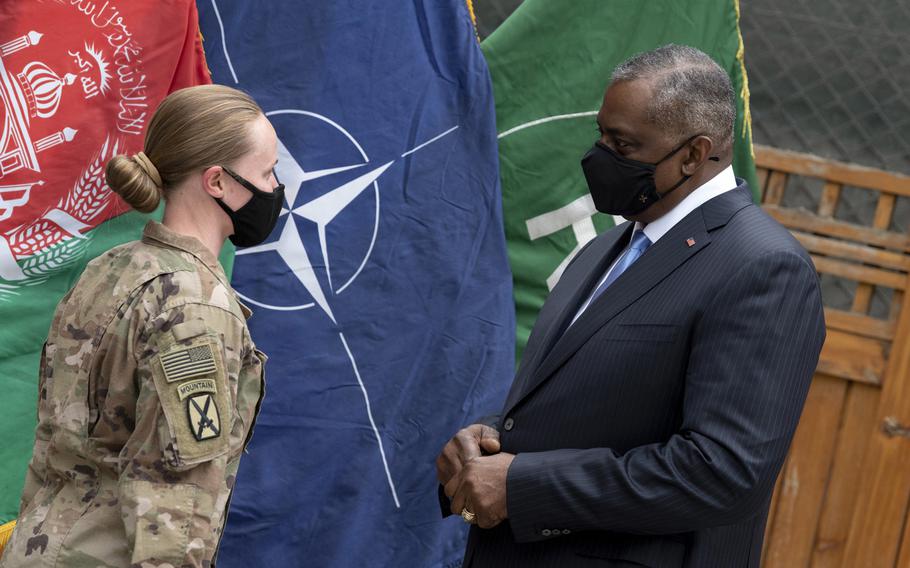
x,y
666,373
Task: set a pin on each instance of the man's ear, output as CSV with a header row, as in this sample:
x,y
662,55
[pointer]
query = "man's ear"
x,y
700,150
212,179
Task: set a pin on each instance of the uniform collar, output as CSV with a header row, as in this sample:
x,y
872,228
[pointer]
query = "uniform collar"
x,y
157,234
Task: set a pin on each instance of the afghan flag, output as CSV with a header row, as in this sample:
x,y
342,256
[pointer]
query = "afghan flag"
x,y
550,62
79,82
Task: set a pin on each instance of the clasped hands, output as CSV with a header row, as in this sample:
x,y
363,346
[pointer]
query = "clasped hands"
x,y
473,471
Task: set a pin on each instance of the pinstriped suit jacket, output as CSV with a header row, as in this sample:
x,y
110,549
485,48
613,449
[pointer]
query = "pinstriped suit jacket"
x,y
651,432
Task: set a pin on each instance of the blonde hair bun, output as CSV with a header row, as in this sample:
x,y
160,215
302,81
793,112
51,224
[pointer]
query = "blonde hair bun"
x,y
131,180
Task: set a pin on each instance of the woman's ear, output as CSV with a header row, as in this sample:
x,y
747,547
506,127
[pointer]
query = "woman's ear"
x,y
211,181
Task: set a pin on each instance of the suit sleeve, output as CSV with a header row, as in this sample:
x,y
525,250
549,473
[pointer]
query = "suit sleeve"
x,y
753,354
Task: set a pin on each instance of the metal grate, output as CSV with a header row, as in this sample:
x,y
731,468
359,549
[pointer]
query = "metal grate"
x,y
491,13
832,78
882,303
856,205
900,221
837,292
803,192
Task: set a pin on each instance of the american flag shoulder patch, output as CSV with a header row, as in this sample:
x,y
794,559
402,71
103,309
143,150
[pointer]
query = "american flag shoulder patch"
x,y
188,362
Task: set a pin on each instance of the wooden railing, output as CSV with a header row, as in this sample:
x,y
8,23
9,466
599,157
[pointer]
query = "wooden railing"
x,y
843,496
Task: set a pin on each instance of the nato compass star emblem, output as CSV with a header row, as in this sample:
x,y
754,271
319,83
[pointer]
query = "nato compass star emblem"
x,y
351,181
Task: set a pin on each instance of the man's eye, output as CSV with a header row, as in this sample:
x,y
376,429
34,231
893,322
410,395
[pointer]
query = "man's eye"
x,y
621,144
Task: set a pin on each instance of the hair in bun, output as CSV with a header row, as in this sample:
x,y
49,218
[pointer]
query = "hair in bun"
x,y
193,128
132,180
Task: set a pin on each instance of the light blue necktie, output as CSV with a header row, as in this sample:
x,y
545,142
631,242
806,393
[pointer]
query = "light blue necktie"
x,y
640,243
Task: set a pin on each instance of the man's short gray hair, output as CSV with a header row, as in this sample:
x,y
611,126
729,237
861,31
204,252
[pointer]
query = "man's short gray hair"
x,y
691,93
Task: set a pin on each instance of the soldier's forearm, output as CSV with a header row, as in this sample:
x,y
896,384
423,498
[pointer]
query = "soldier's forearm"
x,y
163,521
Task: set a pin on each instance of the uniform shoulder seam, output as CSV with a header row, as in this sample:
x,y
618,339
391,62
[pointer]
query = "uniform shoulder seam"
x,y
182,302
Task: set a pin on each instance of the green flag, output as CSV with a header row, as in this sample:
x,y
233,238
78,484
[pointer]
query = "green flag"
x,y
79,82
550,62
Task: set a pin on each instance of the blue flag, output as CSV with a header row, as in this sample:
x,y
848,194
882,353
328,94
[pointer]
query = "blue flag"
x,y
383,297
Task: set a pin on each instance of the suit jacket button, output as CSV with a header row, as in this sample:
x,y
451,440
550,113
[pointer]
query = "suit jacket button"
x,y
508,424
546,532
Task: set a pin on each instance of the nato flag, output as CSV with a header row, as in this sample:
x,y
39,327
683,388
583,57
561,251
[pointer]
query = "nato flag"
x,y
383,297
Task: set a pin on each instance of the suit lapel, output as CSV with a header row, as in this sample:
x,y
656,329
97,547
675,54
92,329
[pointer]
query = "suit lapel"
x,y
574,286
604,253
658,262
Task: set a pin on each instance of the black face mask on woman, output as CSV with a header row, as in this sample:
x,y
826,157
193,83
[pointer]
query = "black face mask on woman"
x,y
253,222
623,186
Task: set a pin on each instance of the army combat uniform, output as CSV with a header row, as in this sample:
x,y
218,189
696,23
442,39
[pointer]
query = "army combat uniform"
x,y
149,387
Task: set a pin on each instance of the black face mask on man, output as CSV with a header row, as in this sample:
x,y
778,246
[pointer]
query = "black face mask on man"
x,y
623,186
253,222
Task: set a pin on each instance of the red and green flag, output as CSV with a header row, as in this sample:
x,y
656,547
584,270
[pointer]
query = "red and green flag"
x,y
79,81
550,62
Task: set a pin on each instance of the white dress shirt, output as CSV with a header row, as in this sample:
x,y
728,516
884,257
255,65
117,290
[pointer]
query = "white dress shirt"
x,y
721,183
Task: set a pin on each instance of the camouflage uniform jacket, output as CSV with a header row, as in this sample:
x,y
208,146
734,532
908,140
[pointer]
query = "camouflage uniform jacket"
x,y
149,387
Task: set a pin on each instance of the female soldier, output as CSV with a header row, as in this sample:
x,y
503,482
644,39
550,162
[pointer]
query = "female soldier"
x,y
149,381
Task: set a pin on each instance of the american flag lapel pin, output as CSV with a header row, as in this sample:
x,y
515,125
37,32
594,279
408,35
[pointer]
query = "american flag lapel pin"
x,y
690,241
